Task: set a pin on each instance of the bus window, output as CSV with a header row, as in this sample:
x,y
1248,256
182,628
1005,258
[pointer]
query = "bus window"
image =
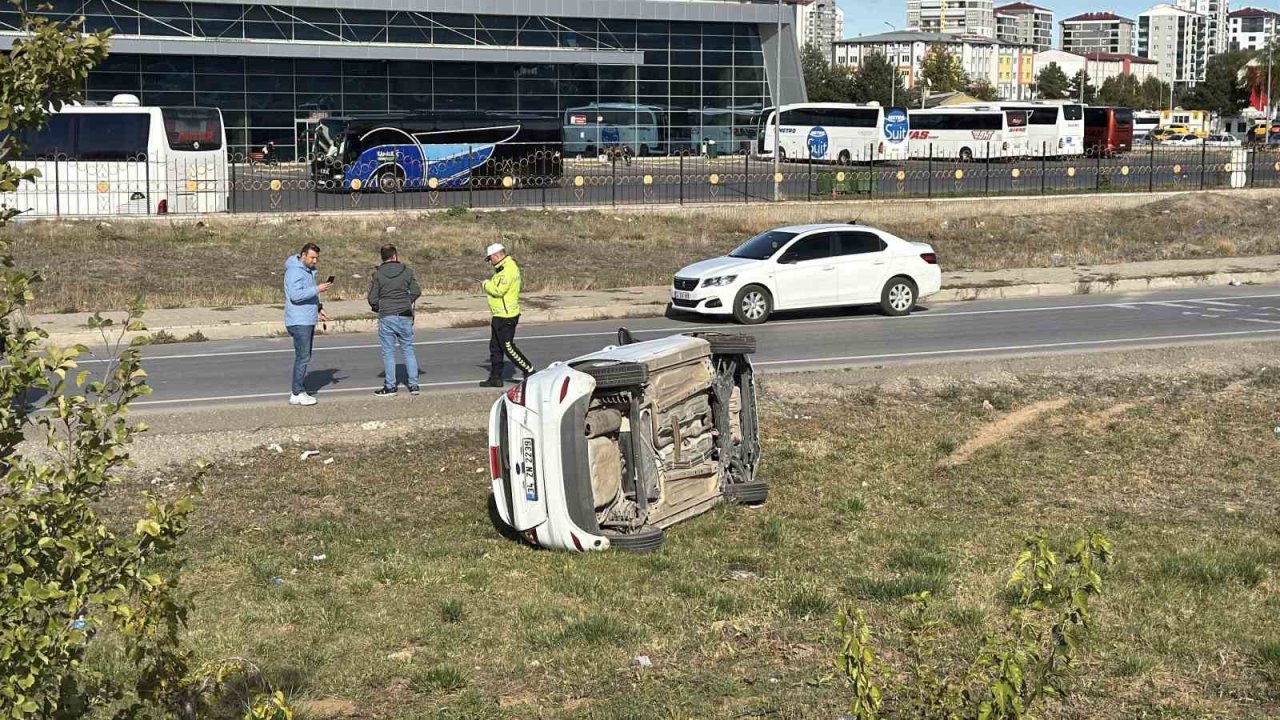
x,y
1095,116
1041,116
111,136
1072,112
192,128
1017,118
1124,116
57,138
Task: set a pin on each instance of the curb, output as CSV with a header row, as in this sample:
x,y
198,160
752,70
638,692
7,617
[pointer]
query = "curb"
x,y
656,303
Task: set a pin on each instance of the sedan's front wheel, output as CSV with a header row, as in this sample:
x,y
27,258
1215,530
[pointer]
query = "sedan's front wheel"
x,y
753,305
898,296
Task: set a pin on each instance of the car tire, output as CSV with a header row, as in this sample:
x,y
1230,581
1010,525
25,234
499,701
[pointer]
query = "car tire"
x,y
898,297
646,539
966,155
729,343
752,305
845,158
610,374
755,492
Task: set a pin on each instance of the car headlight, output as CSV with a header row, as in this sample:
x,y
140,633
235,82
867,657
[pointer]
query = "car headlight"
x,y
719,281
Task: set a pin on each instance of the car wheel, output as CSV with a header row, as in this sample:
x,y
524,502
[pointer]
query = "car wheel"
x,y
898,296
966,154
645,539
845,158
609,374
753,305
782,155
755,492
729,344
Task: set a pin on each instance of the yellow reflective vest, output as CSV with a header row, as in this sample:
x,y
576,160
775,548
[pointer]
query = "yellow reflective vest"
x,y
503,289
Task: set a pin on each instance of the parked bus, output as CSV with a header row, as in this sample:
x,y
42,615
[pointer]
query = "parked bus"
x,y
432,150
124,159
1107,130
1143,123
967,133
732,130
1053,129
593,128
840,132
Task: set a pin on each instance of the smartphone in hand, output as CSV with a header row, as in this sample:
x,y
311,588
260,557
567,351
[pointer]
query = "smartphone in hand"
x,y
330,280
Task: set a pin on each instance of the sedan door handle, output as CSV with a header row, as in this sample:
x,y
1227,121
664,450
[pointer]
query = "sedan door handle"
x,y
829,267
878,262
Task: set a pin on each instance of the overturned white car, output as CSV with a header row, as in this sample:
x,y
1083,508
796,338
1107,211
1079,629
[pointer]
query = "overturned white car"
x,y
607,449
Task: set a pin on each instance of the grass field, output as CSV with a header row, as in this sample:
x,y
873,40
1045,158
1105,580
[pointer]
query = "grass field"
x,y
88,266
375,587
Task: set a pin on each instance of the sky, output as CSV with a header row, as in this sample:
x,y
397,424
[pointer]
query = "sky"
x,y
868,17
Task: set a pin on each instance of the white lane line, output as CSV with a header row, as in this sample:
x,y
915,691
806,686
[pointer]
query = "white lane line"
x,y
689,328
1176,305
1258,320
1219,302
1006,348
253,396
847,358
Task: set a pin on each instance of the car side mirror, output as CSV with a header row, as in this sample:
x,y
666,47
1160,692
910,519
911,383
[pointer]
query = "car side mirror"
x,y
787,258
625,337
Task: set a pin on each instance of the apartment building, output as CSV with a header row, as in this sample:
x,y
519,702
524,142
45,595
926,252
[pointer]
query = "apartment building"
x,y
1007,67
819,23
1176,39
1098,32
1251,28
1024,24
954,17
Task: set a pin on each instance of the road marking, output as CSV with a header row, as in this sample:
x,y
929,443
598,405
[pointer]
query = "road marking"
x,y
1258,320
692,328
215,398
1006,348
1219,302
1176,305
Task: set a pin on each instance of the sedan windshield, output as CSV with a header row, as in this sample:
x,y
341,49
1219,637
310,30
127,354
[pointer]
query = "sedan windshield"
x,y
762,247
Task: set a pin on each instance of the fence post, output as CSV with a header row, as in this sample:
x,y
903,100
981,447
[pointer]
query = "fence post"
x,y
986,182
613,180
746,177
1253,168
57,189
809,184
471,178
1203,150
930,191
1044,165
682,178
1151,167
146,173
1097,173
871,170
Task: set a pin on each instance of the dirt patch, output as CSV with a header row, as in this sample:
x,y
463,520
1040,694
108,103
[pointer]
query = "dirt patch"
x,y
1001,429
330,708
1099,421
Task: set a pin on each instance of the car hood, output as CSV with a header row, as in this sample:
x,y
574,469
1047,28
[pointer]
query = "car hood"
x,y
717,266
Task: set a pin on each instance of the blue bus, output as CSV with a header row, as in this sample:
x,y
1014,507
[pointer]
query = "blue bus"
x,y
435,151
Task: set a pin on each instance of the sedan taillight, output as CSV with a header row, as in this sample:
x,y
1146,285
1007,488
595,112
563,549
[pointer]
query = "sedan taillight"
x,y
930,258
495,466
516,394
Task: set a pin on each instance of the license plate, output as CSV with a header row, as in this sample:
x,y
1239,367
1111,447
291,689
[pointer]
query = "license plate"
x,y
681,295
530,476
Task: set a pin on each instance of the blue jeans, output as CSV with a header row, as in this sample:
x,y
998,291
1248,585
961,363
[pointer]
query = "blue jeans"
x,y
302,336
393,330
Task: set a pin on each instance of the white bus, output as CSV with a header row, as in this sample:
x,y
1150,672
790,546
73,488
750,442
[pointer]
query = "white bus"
x,y
967,133
1053,129
835,132
1144,122
593,128
124,159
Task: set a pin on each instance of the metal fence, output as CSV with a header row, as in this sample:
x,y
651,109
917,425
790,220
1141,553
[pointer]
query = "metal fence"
x,y
251,185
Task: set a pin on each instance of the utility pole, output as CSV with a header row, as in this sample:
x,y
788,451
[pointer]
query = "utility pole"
x,y
893,64
777,105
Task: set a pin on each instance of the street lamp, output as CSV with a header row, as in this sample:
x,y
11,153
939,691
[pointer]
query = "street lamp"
x,y
777,103
893,65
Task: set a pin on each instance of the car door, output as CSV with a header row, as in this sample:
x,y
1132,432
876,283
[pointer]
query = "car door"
x,y
805,275
862,266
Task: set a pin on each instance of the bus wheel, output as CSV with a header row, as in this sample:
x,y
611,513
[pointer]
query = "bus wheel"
x,y
644,151
782,154
845,158
966,154
390,181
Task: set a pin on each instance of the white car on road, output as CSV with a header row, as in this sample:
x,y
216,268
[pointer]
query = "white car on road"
x,y
810,266
1223,141
608,449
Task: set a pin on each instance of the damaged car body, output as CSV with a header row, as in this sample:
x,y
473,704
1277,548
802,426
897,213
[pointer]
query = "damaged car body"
x,y
608,449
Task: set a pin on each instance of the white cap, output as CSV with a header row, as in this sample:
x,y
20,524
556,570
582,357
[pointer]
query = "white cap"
x,y
494,249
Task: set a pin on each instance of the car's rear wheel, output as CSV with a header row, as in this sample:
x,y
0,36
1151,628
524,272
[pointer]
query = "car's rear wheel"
x,y
729,344
898,296
645,539
755,492
753,305
609,374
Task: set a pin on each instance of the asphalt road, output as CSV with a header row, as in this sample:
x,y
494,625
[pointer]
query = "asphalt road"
x,y
256,372
736,179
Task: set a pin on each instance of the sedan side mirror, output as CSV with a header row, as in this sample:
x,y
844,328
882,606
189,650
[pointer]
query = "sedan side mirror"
x,y
787,258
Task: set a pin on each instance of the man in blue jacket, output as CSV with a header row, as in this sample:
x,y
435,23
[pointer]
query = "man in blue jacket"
x,y
302,309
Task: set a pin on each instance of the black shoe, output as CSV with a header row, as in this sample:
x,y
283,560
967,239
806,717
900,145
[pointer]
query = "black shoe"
x,y
491,382
414,390
385,392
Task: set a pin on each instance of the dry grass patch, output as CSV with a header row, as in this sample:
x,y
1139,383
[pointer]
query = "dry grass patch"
x,y
220,263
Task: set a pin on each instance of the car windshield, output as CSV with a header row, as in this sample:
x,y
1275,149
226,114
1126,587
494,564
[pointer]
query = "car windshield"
x,y
762,247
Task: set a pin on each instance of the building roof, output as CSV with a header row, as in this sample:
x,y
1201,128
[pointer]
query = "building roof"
x,y
1252,12
1098,17
1165,9
1116,57
913,36
1020,7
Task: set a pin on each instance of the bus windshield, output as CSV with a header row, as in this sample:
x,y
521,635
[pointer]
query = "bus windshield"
x,y
1124,116
192,128
331,139
762,247
1072,112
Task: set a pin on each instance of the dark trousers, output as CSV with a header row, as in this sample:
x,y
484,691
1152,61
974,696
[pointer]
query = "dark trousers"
x,y
302,335
502,341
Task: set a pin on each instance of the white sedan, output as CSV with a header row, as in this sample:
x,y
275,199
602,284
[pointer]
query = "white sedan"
x,y
810,266
1222,141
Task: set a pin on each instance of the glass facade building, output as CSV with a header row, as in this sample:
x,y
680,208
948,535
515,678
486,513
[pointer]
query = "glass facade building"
x,y
704,68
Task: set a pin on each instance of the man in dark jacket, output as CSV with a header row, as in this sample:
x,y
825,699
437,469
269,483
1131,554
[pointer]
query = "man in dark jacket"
x,y
392,293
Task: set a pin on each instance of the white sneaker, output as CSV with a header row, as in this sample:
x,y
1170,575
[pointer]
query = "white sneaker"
x,y
301,399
